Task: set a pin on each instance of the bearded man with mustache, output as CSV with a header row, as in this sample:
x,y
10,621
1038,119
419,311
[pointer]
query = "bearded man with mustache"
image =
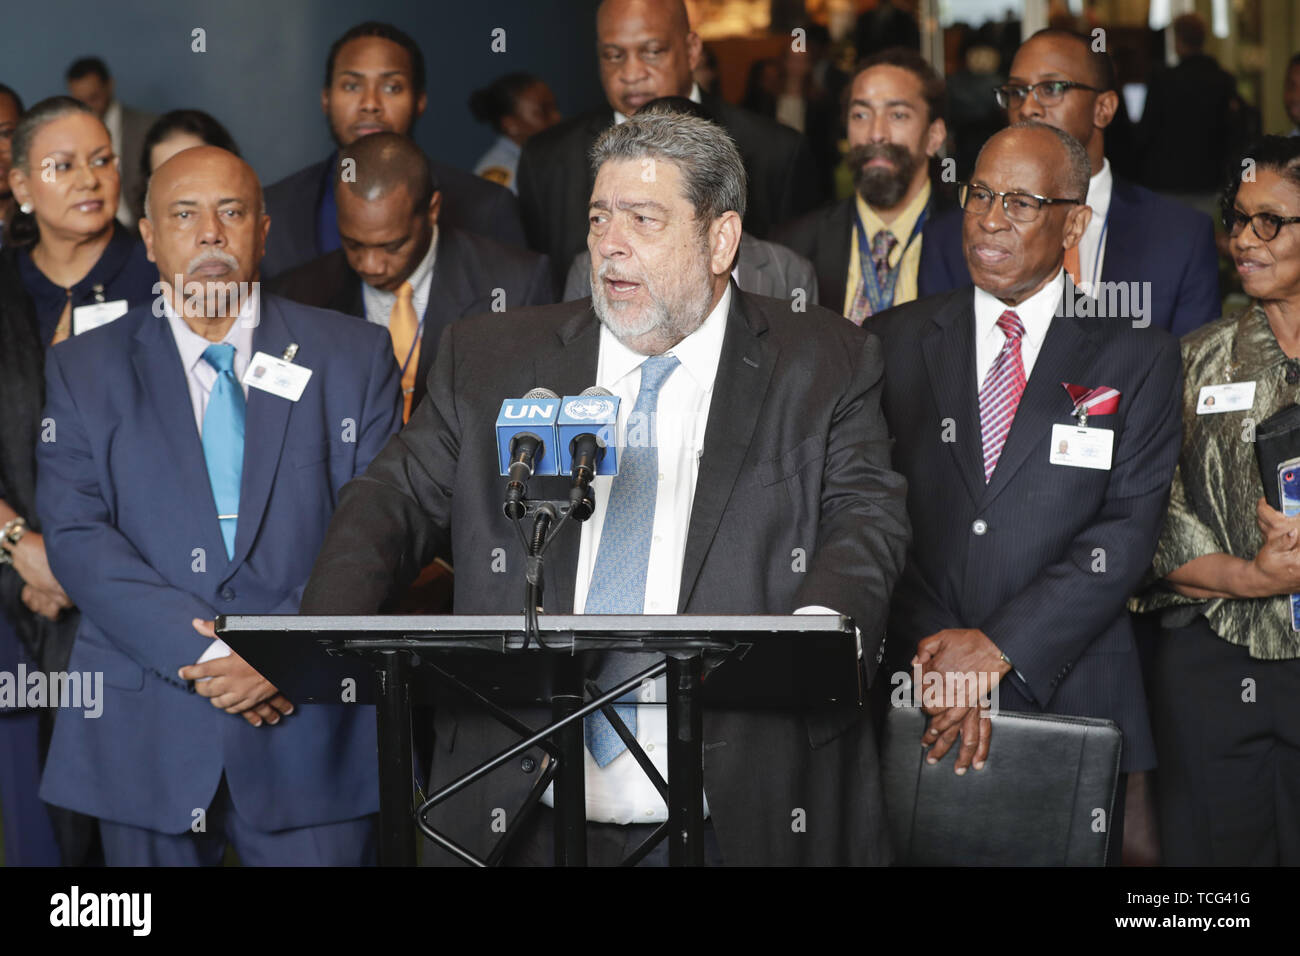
x,y
867,249
766,441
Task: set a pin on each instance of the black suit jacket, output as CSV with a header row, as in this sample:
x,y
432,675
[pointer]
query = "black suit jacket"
x,y
467,272
1150,239
1044,557
796,456
555,177
825,236
468,202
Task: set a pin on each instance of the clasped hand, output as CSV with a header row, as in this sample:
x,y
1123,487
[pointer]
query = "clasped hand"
x,y
958,656
234,686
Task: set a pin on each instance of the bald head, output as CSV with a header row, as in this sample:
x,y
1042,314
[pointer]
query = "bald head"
x,y
646,50
383,163
1015,247
204,160
672,12
206,230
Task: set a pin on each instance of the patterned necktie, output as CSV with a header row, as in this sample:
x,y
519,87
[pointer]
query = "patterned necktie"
x,y
618,580
1001,392
404,326
223,439
881,246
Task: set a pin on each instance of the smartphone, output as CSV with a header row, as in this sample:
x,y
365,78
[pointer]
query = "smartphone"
x,y
1288,493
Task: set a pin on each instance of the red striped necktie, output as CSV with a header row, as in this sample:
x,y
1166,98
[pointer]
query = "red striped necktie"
x,y
1000,394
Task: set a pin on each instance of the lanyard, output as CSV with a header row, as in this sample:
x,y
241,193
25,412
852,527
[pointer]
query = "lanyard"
x,y
882,297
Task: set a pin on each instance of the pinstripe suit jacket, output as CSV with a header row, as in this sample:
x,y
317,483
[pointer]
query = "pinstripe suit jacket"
x,y
1043,557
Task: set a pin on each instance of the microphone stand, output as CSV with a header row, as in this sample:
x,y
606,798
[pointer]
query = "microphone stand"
x,y
567,687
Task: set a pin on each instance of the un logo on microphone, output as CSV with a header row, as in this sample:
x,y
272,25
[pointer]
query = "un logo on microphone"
x,y
589,409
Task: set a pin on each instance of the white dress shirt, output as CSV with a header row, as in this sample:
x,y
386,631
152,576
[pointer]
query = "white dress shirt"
x,y
379,304
1035,315
199,375
620,792
1092,247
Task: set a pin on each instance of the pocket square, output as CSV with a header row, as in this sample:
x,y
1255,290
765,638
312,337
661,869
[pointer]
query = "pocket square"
x,y
1102,400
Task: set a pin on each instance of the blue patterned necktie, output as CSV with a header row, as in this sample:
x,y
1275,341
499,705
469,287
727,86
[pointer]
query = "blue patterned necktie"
x,y
223,439
618,580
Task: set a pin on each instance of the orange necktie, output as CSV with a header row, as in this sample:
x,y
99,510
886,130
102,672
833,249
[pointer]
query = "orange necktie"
x,y
403,326
1072,263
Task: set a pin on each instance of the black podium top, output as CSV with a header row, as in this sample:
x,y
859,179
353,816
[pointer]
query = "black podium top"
x,y
766,660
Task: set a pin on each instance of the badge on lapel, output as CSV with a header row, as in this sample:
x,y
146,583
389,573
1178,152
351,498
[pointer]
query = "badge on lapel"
x,y
1077,445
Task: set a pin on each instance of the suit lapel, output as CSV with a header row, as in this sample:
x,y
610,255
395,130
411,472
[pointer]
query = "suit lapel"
x,y
949,350
567,369
265,421
347,296
1065,357
451,295
1124,253
833,256
744,370
158,366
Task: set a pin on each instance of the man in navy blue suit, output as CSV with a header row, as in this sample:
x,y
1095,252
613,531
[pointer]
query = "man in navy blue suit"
x,y
199,448
1038,439
1135,237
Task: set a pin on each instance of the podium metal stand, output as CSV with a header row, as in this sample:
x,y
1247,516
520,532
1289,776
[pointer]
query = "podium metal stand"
x,y
739,662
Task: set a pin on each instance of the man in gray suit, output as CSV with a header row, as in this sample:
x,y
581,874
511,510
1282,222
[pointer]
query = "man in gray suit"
x,y
766,489
88,80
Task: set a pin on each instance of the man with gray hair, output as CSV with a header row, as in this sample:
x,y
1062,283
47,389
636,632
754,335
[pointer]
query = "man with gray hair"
x,y
1039,437
763,486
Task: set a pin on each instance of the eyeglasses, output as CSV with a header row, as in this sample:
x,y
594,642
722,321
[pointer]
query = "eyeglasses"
x,y
1265,224
1019,206
1048,93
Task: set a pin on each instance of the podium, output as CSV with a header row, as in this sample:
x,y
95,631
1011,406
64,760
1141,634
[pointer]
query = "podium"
x,y
790,663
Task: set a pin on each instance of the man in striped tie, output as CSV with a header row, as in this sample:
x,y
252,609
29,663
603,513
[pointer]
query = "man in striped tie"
x,y
1025,554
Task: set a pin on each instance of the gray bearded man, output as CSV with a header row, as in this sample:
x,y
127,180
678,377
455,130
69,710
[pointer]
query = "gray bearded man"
x,y
770,442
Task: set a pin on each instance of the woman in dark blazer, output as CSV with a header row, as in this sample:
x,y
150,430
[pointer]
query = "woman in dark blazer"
x,y
66,266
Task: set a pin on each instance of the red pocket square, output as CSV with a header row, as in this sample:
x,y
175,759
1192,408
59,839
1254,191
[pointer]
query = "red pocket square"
x,y
1102,400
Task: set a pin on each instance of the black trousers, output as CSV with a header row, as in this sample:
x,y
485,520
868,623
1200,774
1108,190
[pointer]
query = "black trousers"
x,y
1227,729
608,844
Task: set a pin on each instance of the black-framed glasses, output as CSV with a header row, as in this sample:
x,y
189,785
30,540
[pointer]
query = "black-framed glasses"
x,y
1048,92
1019,206
1264,224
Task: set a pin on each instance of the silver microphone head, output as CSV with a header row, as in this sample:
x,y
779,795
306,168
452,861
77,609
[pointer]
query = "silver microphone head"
x,y
540,392
596,390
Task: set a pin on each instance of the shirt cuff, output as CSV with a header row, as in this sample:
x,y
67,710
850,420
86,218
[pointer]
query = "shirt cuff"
x,y
818,609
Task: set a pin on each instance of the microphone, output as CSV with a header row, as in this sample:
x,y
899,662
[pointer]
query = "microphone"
x,y
588,428
526,443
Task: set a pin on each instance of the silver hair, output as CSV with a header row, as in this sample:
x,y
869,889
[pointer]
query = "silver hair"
x,y
713,174
1078,168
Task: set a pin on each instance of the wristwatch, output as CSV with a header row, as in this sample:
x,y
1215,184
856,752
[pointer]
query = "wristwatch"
x,y
11,532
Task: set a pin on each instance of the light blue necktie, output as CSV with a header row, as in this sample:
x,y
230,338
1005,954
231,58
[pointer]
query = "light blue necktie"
x,y
223,439
618,581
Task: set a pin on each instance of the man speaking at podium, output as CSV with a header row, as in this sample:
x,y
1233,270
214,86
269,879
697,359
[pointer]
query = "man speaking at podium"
x,y
766,488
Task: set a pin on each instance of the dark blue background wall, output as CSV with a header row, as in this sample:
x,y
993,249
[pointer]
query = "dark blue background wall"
x,y
265,61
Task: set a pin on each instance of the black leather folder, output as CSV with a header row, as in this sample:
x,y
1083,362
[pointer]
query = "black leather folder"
x,y
1277,439
1035,803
